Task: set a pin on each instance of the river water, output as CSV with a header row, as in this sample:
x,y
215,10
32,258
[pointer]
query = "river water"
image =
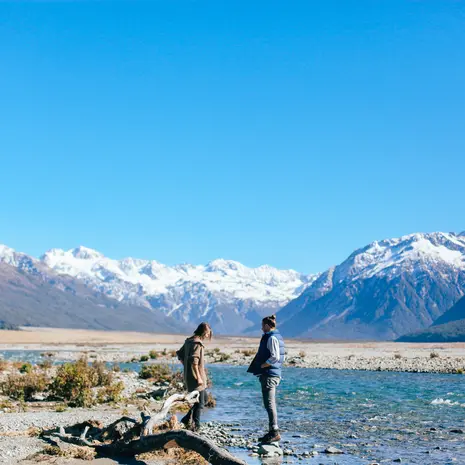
x,y
371,416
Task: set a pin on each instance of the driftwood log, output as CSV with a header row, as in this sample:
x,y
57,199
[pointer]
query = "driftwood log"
x,y
127,437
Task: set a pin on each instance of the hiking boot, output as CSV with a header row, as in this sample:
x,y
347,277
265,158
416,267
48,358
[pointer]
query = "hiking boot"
x,y
195,428
187,421
272,436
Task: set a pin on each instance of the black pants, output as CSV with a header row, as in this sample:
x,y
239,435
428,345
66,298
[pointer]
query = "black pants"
x,y
193,415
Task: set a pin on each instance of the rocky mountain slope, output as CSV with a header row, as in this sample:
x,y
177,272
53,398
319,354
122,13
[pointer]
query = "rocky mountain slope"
x,y
32,294
382,291
449,327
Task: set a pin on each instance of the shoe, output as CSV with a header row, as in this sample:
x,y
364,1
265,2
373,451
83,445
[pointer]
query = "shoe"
x,y
187,422
272,436
195,428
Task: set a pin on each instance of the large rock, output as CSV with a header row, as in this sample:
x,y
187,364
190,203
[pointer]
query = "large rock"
x,y
270,450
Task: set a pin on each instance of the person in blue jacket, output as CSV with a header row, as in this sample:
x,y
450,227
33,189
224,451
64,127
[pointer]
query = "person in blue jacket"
x,y
267,365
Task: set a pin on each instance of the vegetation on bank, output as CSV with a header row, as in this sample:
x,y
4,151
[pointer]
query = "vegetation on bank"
x,y
77,384
83,383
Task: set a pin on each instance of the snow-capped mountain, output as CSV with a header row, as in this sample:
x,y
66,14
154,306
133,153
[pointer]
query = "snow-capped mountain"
x,y
228,294
386,289
32,294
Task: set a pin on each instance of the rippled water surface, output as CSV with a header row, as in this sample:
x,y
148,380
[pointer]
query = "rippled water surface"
x,y
372,416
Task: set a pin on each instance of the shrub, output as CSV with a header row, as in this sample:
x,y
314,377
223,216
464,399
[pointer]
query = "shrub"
x,y
153,354
25,368
217,350
223,357
104,376
434,355
116,368
25,386
60,408
302,354
174,354
157,372
248,352
144,358
73,382
110,393
397,356
46,364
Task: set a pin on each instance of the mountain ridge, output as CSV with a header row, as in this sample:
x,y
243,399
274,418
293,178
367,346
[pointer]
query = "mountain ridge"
x,y
225,292
382,290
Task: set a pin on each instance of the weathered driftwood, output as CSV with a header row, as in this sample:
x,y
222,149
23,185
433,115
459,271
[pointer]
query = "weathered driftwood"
x,y
149,422
123,432
182,438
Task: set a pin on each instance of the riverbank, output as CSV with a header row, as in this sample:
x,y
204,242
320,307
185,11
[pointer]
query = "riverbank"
x,y
109,346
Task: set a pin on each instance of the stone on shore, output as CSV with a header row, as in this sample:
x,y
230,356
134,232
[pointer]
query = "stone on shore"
x,y
270,450
333,450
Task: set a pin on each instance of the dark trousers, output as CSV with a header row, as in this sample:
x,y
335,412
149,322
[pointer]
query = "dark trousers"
x,y
269,385
193,415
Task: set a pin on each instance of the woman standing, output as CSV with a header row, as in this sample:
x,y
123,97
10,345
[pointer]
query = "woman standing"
x,y
191,355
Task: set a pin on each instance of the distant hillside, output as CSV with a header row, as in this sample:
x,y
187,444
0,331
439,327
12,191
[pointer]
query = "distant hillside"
x,y
450,327
457,312
32,296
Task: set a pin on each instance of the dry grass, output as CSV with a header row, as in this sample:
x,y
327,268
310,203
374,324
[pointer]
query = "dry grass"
x,y
175,456
73,452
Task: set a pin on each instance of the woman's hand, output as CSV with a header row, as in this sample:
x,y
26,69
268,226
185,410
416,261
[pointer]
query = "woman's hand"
x,y
265,365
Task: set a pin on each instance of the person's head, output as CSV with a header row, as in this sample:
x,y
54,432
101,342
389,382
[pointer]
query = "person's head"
x,y
203,331
269,323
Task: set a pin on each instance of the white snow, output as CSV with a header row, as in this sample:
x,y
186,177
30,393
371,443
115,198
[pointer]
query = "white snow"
x,y
414,250
220,281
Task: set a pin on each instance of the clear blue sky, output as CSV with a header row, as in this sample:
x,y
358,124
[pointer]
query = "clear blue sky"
x,y
287,133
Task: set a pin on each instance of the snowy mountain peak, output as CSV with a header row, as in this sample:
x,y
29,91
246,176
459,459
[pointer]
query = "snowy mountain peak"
x,y
85,253
405,252
17,259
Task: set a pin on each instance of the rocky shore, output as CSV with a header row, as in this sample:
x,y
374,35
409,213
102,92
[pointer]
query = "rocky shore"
x,y
387,356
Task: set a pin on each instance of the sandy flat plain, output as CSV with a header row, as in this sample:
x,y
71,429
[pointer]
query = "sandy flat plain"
x,y
113,342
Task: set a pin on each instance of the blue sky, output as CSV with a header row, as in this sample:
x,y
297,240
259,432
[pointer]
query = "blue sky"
x,y
287,133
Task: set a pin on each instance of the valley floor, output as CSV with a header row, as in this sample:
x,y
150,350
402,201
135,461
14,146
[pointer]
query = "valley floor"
x,y
110,346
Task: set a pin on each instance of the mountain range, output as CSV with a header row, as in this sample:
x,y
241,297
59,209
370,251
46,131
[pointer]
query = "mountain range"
x,y
382,291
231,296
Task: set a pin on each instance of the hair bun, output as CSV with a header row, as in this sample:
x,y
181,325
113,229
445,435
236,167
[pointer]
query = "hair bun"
x,y
273,317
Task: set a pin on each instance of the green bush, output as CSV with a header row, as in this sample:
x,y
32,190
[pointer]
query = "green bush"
x,y
26,368
153,354
24,386
223,357
73,382
144,358
157,372
111,393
